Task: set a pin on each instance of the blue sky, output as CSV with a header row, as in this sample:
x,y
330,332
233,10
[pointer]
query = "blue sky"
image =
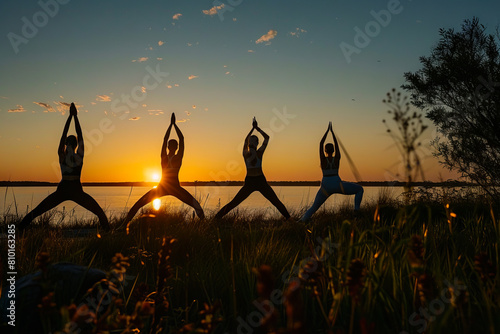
x,y
96,53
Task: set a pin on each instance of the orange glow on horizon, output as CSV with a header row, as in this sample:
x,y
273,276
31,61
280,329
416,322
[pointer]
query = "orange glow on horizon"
x,y
152,174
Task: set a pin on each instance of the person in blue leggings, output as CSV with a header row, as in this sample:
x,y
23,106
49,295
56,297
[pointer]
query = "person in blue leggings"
x,y
331,182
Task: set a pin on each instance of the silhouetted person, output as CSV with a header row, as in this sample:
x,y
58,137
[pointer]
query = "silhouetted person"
x,y
331,182
255,179
169,183
71,152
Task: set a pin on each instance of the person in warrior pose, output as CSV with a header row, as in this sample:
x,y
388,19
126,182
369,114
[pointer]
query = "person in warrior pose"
x,y
331,182
255,179
70,151
169,183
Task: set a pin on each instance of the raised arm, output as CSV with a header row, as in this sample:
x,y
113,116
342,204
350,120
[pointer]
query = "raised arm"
x,y
167,135
337,149
322,143
247,139
78,128
180,151
262,147
62,142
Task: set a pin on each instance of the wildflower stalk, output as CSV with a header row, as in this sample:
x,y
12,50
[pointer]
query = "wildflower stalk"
x,y
355,283
163,274
407,139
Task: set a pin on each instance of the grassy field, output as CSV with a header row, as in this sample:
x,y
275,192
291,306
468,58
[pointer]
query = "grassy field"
x,y
428,266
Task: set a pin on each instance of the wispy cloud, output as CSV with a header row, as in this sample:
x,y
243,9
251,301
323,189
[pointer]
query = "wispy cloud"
x,y
181,120
66,104
140,60
267,37
63,107
212,11
251,51
297,32
46,106
177,16
134,118
4,97
103,98
19,108
191,77
160,43
159,58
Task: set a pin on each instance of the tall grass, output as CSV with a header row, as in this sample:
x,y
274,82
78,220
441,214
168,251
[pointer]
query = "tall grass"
x,y
427,266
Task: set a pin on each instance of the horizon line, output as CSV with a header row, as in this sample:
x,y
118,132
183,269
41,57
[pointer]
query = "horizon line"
x,y
393,183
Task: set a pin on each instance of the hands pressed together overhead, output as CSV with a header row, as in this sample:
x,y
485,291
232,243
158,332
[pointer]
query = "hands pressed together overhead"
x,y
72,110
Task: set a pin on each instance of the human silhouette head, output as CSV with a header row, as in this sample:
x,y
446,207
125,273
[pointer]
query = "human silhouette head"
x,y
329,148
71,142
172,145
253,142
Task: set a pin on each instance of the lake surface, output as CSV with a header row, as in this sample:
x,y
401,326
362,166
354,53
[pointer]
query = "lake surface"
x,y
117,200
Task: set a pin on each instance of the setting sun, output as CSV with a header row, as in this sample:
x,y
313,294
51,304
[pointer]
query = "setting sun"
x,y
155,177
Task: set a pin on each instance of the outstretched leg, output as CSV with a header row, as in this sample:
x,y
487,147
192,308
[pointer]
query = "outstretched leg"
x,y
268,192
353,189
244,192
48,203
85,200
183,195
145,199
321,197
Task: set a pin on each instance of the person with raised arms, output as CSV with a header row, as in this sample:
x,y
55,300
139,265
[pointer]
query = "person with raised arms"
x,y
70,152
171,162
255,179
331,182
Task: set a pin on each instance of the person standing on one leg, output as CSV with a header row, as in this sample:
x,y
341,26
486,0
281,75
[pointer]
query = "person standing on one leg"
x,y
255,179
169,184
331,182
71,152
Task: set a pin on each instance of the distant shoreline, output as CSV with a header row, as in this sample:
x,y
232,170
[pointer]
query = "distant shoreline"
x,y
237,183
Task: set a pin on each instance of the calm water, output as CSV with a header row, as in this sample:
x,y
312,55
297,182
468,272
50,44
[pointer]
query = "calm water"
x,y
117,200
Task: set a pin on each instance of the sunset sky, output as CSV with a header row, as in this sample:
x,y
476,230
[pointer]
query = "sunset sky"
x,y
128,65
